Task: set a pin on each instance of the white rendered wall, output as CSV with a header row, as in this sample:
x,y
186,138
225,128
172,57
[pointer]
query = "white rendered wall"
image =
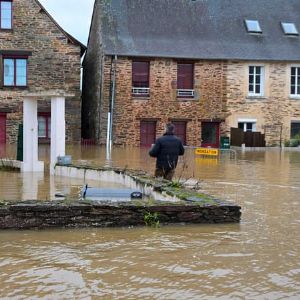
x,y
30,137
58,134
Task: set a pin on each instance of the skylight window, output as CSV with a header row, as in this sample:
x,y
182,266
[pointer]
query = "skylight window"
x,y
289,28
253,26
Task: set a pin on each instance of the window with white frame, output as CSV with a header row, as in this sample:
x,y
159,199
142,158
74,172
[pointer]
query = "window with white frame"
x,y
256,81
247,124
295,129
295,82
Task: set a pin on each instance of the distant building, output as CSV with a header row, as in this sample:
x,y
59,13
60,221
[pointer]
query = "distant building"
x,y
36,55
207,66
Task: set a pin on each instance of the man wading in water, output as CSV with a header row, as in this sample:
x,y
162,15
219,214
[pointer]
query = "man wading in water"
x,y
166,149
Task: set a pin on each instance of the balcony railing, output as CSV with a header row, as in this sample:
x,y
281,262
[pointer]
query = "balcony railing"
x,y
182,93
140,91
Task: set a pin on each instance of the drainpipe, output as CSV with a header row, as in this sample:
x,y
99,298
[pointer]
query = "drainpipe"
x,y
111,109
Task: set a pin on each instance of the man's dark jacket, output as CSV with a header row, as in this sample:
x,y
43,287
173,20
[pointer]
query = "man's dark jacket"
x,y
167,148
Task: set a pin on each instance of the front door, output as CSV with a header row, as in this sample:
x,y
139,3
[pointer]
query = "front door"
x,y
210,134
2,128
180,130
147,133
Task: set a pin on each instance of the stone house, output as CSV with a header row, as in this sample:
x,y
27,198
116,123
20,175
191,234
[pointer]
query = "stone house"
x,y
36,55
207,66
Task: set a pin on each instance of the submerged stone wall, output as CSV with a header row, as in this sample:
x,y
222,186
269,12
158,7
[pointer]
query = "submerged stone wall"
x,y
165,203
49,215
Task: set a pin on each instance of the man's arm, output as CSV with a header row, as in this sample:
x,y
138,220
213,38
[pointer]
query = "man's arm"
x,y
154,151
181,149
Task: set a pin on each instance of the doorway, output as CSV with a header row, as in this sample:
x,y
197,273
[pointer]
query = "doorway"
x,y
210,133
147,133
180,130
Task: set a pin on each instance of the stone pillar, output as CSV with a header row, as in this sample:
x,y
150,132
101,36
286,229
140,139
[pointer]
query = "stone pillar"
x,y
30,137
58,134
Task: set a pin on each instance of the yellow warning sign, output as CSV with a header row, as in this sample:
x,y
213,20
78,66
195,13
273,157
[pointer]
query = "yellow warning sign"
x,y
207,151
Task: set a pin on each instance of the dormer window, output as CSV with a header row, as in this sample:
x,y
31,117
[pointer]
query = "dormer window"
x,y
5,14
289,28
253,26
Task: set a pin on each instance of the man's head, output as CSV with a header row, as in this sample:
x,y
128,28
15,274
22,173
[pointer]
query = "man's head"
x,y
170,128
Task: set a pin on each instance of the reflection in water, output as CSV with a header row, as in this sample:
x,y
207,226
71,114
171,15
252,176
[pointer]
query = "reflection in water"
x,y
257,259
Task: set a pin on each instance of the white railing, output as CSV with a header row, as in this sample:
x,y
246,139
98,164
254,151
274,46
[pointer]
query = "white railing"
x,y
185,93
140,91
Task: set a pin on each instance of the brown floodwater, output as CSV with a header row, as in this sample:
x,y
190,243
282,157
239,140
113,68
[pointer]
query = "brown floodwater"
x,y
256,259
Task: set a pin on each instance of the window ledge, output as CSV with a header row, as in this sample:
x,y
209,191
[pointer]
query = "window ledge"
x,y
6,30
258,98
294,97
9,88
187,99
140,97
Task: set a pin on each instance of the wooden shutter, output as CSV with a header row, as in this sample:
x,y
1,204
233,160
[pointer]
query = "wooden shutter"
x,y
147,133
140,74
185,76
2,128
180,130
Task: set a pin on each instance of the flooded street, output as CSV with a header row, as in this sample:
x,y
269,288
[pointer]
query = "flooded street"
x,y
256,259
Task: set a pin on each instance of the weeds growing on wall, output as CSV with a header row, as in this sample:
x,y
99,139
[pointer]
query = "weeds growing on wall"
x,y
152,219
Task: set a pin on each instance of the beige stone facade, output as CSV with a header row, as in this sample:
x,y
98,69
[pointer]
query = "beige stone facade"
x,y
162,105
221,93
274,111
53,63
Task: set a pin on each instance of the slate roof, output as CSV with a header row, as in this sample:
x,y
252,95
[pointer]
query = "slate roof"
x,y
199,29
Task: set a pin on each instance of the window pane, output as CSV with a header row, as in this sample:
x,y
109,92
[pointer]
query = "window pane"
x,y
293,90
293,80
257,79
251,88
241,125
41,126
8,72
251,70
251,79
295,129
293,71
49,127
6,15
258,70
253,26
257,89
289,28
249,126
21,71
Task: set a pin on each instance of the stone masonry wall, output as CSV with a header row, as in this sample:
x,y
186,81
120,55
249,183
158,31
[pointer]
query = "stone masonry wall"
x,y
163,105
53,65
275,109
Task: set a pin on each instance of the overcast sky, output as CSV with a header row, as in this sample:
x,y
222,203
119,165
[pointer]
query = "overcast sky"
x,y
74,16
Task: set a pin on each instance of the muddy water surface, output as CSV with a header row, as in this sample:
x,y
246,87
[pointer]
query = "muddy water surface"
x,y
256,259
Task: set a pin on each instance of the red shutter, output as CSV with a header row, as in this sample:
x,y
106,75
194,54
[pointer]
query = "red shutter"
x,y
140,74
148,133
180,130
185,76
2,128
